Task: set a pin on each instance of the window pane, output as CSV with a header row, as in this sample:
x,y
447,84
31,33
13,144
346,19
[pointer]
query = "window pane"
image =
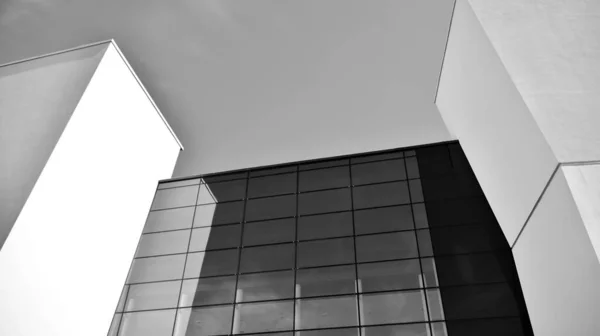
x,y
326,281
324,178
381,171
326,312
171,242
425,247
217,237
155,295
434,303
228,191
271,171
397,307
211,263
225,213
272,185
430,272
479,301
205,215
439,329
329,332
420,329
420,216
467,239
325,226
269,232
174,184
324,201
157,268
207,291
416,192
325,164
267,258
412,167
114,325
225,177
472,210
381,195
203,321
266,286
397,245
487,327
271,208
148,323
395,218
474,268
391,275
172,219
263,317
176,197
121,304
377,157
326,252
205,196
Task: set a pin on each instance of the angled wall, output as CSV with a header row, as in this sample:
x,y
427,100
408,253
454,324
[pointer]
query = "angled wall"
x,y
69,251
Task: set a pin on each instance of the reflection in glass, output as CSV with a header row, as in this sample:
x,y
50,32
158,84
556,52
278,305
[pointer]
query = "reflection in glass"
x,y
265,286
121,304
267,258
430,272
205,196
384,194
420,329
434,303
326,281
228,191
272,185
205,321
147,323
211,263
226,213
324,178
326,252
394,218
157,268
326,312
207,291
391,275
218,237
154,295
439,329
175,197
271,208
329,332
325,226
396,307
171,242
479,301
204,215
269,232
324,201
375,172
387,246
172,219
263,317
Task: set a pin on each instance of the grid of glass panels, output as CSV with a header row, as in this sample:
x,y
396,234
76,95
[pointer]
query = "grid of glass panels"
x,y
400,243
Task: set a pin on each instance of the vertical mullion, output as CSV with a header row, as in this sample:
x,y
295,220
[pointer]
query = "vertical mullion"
x,y
296,299
240,247
356,284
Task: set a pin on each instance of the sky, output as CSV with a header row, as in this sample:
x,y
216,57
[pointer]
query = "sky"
x,y
257,82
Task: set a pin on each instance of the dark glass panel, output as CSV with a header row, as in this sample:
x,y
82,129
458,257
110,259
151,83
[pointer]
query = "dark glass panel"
x,y
387,246
450,186
487,327
325,226
263,317
416,192
210,291
381,195
472,269
412,167
266,286
214,263
419,329
394,307
472,210
377,157
269,232
479,301
434,160
329,332
228,191
271,171
218,237
467,239
324,178
420,215
326,281
381,171
324,164
326,312
226,213
205,321
326,252
272,185
395,218
390,275
425,245
270,208
172,219
224,177
267,258
324,201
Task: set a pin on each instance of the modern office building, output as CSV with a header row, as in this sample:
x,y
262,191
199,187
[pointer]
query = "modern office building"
x,y
408,168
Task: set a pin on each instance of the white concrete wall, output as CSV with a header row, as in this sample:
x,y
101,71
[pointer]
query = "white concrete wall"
x,y
483,109
65,262
37,99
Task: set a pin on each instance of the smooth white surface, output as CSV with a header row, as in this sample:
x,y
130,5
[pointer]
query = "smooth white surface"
x,y
37,98
484,110
584,183
558,267
551,49
74,239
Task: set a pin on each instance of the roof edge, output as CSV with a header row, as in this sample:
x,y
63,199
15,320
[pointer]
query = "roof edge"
x,y
54,53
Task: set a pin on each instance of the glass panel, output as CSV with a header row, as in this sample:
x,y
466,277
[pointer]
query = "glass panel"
x,y
397,245
487,327
218,237
324,164
157,268
225,177
430,272
176,197
381,195
207,291
183,183
326,281
420,329
121,304
148,323
114,325
326,312
155,295
211,263
267,258
324,201
269,232
265,286
228,191
395,218
271,208
272,185
205,196
381,171
326,252
412,167
325,226
467,239
271,171
171,242
172,219
222,213
391,275
420,216
324,178
397,307
425,247
377,157
205,214
434,303
474,268
473,210
479,301
439,329
329,332
434,160
263,317
203,321
410,153
416,192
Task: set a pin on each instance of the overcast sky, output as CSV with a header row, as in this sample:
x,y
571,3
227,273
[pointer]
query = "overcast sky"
x,y
256,82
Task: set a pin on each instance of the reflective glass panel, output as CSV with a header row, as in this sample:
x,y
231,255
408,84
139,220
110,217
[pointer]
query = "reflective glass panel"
x,y
157,268
324,178
217,237
263,317
326,281
394,218
265,286
479,301
205,321
267,258
228,191
416,192
326,252
324,201
175,184
172,242
377,157
419,329
207,291
156,295
326,312
395,307
269,232
390,275
272,185
271,208
382,171
175,197
387,246
325,226
211,263
412,167
172,219
384,194
420,216
148,323
329,332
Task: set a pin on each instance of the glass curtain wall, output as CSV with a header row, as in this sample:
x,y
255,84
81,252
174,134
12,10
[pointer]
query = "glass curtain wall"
x,y
396,243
